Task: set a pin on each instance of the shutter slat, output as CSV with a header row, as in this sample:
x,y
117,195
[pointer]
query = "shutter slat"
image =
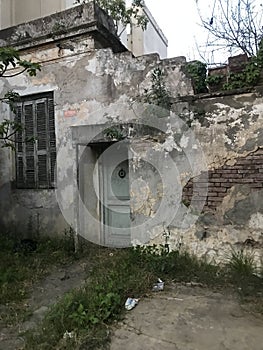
x,y
30,171
20,172
42,170
29,127
52,167
51,124
19,133
41,126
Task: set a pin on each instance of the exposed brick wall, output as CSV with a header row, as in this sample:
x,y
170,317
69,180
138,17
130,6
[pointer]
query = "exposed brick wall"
x,y
247,170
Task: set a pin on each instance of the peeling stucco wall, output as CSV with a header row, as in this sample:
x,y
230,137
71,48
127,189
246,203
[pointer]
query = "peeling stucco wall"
x,y
176,171
229,128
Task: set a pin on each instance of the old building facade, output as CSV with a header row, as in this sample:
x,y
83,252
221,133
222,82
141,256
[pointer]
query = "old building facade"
x,y
118,170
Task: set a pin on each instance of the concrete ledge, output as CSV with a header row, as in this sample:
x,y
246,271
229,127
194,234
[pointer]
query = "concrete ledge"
x,y
76,21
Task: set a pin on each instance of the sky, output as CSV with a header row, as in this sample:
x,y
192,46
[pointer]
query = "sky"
x,y
180,23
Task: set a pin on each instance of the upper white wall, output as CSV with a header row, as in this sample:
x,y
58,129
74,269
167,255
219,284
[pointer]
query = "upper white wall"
x,y
14,12
154,38
151,40
5,13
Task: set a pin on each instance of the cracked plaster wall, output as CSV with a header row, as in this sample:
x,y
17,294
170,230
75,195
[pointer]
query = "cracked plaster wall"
x,y
99,87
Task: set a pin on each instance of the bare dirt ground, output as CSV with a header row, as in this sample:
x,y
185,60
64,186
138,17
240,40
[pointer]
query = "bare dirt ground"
x,y
189,318
178,318
44,294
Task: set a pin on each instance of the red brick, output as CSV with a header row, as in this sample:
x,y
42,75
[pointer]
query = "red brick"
x,y
212,194
232,171
221,194
214,175
245,181
218,180
258,161
233,175
221,189
234,181
247,171
227,185
255,176
243,161
239,166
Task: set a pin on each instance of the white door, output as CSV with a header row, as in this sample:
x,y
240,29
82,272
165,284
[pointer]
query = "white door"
x,y
115,209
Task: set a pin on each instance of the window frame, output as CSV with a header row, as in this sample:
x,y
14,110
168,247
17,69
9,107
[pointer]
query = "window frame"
x,y
36,158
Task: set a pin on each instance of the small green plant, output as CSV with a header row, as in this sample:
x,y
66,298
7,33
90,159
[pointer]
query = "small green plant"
x,y
158,94
114,133
197,72
79,316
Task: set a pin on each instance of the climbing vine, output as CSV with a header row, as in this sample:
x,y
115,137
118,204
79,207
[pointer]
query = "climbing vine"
x,y
197,72
249,76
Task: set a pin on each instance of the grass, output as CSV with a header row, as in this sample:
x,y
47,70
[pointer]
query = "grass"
x,y
82,319
21,268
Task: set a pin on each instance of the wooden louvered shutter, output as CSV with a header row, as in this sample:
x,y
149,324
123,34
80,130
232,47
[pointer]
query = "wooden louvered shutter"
x,y
36,148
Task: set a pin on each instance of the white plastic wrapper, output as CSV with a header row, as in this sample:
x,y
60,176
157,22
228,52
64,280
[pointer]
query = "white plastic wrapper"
x,y
131,303
158,286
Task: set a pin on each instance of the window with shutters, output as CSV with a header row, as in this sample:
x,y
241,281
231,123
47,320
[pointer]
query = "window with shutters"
x,y
36,142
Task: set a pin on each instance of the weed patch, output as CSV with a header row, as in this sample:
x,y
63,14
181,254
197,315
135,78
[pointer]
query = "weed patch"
x,y
87,312
246,278
83,317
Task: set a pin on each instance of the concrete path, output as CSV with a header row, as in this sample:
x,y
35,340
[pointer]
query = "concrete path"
x,y
189,318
